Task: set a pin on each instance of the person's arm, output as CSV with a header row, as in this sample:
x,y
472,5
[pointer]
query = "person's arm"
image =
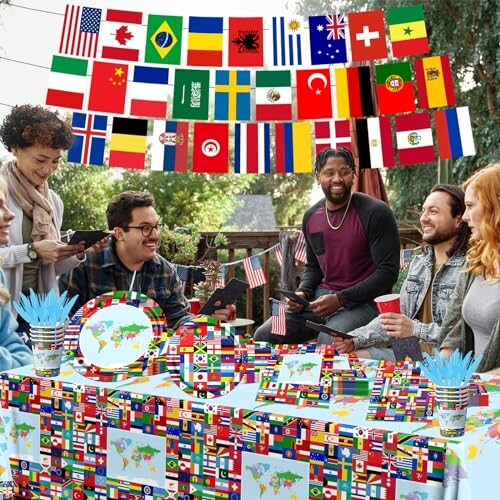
x,y
13,350
370,335
75,282
383,236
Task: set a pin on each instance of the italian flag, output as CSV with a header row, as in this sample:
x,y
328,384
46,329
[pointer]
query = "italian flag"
x,y
68,82
414,139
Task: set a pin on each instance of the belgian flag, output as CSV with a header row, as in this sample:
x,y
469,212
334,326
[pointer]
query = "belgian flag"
x,y
128,143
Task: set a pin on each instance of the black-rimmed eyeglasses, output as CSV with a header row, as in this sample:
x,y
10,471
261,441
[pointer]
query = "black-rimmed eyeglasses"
x,y
147,229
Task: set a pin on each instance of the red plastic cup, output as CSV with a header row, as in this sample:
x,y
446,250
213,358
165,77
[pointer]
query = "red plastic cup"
x,y
232,315
388,303
194,306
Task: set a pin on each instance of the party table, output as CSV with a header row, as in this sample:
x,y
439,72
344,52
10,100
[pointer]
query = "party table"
x,y
145,437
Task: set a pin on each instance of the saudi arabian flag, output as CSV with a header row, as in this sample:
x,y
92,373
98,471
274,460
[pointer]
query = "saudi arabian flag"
x,y
407,31
191,90
164,39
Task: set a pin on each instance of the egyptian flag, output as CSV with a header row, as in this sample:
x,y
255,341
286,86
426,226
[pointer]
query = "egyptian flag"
x,y
374,138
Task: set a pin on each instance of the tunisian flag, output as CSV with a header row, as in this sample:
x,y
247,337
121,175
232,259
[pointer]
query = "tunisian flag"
x,y
314,97
210,148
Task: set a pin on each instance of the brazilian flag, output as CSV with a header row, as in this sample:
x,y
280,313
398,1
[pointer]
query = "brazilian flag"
x,y
164,39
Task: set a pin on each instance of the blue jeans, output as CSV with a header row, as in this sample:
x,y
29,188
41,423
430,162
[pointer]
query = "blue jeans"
x,y
344,320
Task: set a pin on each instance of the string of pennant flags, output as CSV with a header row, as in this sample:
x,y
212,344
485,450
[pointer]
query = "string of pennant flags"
x,y
118,70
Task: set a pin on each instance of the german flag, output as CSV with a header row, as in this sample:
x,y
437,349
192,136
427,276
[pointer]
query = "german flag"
x,y
128,143
354,92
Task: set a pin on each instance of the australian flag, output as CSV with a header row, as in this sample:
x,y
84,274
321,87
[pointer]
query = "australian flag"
x,y
327,35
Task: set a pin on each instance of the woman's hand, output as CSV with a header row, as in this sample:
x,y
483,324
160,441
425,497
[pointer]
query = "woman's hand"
x,y
50,251
343,346
397,325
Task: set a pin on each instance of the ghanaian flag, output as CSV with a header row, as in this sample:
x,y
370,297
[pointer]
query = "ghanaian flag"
x,y
407,31
128,143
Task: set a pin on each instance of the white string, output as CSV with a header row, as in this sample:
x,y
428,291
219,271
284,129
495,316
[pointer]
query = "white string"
x,y
132,282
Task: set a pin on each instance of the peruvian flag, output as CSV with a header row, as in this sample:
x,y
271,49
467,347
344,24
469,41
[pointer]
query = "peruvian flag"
x,y
211,148
332,134
414,139
314,97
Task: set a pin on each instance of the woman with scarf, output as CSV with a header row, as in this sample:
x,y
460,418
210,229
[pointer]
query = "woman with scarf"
x,y
37,138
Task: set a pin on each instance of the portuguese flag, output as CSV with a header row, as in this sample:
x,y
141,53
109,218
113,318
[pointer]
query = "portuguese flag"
x,y
407,31
394,88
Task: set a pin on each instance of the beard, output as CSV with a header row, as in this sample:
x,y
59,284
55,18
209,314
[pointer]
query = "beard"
x,y
438,237
337,199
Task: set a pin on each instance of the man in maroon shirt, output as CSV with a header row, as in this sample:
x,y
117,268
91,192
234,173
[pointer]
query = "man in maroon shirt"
x,y
352,243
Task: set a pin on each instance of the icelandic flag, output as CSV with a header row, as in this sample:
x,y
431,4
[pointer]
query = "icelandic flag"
x,y
89,140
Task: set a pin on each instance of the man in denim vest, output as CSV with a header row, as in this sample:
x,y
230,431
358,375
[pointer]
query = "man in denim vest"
x,y
431,279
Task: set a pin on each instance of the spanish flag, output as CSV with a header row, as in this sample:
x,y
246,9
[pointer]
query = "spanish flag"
x,y
407,31
434,82
128,143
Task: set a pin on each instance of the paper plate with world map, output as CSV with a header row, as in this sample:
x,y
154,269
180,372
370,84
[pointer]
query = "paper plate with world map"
x,y
115,336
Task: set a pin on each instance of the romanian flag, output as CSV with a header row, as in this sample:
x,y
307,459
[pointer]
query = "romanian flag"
x,y
354,92
394,88
128,143
205,41
454,133
434,81
293,148
407,31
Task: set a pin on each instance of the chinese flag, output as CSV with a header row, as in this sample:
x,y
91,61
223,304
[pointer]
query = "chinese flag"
x,y
367,32
314,98
108,87
245,42
211,148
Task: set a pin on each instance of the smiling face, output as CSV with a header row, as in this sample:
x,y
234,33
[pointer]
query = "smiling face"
x,y
6,217
132,247
37,162
474,212
336,179
437,221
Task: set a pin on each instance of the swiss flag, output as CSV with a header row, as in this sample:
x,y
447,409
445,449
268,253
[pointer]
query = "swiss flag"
x,y
210,148
367,33
314,97
246,47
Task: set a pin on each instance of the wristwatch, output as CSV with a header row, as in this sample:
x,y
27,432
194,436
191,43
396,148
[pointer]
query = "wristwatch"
x,y
32,252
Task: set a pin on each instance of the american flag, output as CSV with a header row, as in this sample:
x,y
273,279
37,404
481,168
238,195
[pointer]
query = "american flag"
x,y
300,248
335,26
405,257
80,31
183,273
279,254
253,271
278,317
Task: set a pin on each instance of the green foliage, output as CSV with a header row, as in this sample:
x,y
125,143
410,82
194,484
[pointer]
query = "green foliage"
x,y
179,247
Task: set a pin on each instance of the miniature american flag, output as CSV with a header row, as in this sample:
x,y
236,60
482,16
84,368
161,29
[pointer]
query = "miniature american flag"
x,y
183,273
253,271
279,254
278,317
300,248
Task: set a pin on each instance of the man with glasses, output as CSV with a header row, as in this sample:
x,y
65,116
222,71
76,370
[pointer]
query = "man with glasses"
x,y
130,261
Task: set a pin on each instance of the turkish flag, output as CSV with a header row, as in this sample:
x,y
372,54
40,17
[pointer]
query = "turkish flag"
x,y
314,97
211,148
367,33
246,42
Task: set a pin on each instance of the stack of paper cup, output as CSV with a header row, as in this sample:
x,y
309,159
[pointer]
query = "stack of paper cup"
x,y
48,346
452,403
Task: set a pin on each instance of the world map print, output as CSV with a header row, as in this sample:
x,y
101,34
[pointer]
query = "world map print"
x,y
115,336
272,478
20,436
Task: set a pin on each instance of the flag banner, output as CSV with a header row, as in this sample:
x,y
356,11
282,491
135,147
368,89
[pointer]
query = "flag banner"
x,y
89,139
232,95
80,32
122,35
278,317
289,42
68,82
169,150
205,41
314,96
163,39
394,88
454,133
434,82
300,248
327,38
253,271
367,34
407,31
273,95
332,134
293,148
279,254
252,148
108,87
191,91
245,42
147,92
414,139
128,143
211,148
405,256
374,139
183,273
353,92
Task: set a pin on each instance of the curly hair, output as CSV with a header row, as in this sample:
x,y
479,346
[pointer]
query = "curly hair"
x,y
340,152
119,211
483,256
4,293
27,125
